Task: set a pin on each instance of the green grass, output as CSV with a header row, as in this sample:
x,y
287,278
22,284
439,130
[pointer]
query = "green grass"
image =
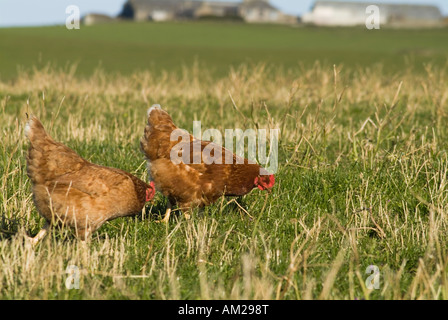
x,y
362,163
130,47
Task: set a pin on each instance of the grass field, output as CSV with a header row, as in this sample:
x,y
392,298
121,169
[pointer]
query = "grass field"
x,y
130,47
363,163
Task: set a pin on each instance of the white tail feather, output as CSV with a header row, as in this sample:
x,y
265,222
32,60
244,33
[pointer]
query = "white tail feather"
x,y
154,107
28,127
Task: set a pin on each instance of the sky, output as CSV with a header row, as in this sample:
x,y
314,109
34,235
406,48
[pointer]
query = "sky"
x,y
50,12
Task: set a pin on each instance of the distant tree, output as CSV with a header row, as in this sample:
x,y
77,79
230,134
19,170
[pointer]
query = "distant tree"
x,y
127,12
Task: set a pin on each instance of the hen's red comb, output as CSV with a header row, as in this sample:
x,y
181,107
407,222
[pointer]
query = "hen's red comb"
x,y
271,180
150,192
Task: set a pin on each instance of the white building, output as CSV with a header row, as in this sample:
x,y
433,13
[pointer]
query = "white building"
x,y
332,13
252,11
94,18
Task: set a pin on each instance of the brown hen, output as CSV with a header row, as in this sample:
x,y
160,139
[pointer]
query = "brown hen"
x,y
70,191
192,184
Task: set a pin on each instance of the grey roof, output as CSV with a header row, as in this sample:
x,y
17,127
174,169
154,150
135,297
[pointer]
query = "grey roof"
x,y
156,4
220,3
179,4
257,4
414,11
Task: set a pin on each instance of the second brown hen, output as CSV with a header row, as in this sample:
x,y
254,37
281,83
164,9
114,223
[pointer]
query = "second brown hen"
x,y
189,184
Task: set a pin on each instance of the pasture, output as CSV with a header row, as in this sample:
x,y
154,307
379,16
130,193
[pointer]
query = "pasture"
x,y
131,47
362,160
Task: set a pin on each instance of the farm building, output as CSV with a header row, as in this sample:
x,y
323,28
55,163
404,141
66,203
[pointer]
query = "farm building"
x,y
331,13
259,11
158,10
216,9
94,18
254,11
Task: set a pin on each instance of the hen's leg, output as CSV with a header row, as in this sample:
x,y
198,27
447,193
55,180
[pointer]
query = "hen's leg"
x,y
187,210
42,233
166,218
83,234
187,214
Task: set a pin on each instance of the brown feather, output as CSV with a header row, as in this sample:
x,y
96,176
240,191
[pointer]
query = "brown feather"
x,y
69,190
192,185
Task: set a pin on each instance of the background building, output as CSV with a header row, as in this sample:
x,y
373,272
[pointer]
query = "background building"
x,y
326,13
253,11
94,18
